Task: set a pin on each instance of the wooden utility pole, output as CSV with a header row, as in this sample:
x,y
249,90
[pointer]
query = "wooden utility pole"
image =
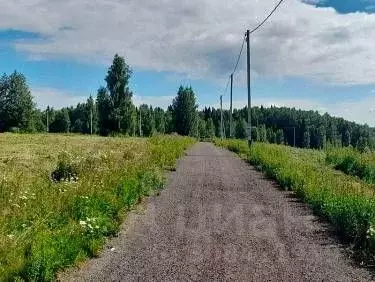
x,y
231,107
221,117
47,120
248,89
140,122
91,121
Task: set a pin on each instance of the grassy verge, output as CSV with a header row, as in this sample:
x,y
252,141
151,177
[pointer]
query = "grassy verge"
x,y
45,225
353,163
346,202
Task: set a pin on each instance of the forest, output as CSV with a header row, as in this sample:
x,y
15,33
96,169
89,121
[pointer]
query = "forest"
x,y
112,112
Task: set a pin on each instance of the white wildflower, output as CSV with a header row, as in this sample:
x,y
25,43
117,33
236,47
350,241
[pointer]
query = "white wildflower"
x,y
10,236
370,232
82,222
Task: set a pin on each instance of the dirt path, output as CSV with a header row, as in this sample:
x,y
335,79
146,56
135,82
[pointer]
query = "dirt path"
x,y
219,219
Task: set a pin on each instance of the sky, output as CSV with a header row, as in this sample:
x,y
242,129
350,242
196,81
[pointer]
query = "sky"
x,y
311,54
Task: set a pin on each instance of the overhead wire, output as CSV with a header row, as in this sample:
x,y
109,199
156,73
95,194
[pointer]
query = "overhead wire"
x,y
264,21
244,39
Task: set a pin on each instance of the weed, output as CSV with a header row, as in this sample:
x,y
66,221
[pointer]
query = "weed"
x,y
45,225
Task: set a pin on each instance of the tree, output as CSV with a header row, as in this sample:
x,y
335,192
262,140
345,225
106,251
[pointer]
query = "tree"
x,y
61,122
16,103
202,126
210,128
184,112
91,116
346,138
148,122
306,139
117,80
262,133
279,136
240,131
159,120
104,107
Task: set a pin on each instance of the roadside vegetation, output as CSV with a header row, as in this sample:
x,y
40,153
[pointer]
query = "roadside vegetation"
x,y
62,195
346,202
353,162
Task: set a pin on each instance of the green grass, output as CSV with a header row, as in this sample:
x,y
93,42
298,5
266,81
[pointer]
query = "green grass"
x,y
46,226
354,163
346,202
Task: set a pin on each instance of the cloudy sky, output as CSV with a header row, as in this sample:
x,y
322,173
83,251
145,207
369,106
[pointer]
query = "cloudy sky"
x,y
311,54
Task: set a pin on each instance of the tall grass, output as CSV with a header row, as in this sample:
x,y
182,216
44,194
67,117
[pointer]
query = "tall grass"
x,y
346,202
353,162
46,225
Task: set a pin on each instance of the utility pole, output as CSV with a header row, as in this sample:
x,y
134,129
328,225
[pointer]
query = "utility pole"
x,y
231,106
248,89
140,122
47,119
221,116
91,121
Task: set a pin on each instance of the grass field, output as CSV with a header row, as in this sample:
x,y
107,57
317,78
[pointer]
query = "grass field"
x,y
47,225
353,163
346,202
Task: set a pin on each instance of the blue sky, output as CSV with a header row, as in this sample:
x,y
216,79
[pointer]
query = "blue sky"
x,y
311,55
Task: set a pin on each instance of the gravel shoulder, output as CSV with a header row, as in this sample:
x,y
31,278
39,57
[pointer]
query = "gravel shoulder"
x,y
220,219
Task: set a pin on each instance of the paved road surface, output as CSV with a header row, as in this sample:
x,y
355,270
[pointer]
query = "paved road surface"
x,y
219,219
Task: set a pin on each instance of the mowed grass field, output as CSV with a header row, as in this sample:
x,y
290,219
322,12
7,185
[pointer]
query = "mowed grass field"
x,y
344,199
47,225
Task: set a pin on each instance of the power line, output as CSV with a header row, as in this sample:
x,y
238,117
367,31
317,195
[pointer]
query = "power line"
x,y
226,87
270,14
239,56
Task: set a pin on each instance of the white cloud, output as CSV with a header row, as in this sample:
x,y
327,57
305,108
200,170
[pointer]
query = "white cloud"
x,y
155,101
55,98
200,38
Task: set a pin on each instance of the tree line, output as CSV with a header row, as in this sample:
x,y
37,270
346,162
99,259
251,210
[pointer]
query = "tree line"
x,y
112,112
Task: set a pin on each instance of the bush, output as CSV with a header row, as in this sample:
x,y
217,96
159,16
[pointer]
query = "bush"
x,y
66,169
353,163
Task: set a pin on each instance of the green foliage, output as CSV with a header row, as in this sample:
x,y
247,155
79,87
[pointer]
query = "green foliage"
x,y
343,200
47,226
115,109
66,169
148,120
240,130
278,125
353,162
61,122
184,112
16,103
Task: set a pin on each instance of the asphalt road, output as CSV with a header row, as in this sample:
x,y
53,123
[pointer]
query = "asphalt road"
x,y
219,219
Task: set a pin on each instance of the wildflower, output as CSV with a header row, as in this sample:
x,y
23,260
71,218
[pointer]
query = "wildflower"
x,y
24,225
10,236
82,222
370,232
